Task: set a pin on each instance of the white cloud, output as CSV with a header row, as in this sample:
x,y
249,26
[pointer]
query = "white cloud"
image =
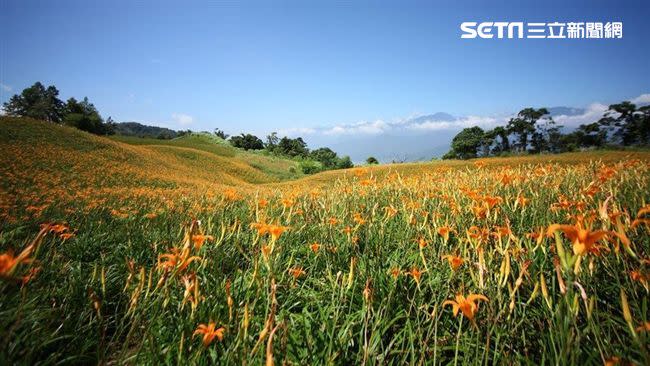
x,y
297,131
462,122
364,128
592,113
182,119
641,99
2,111
6,87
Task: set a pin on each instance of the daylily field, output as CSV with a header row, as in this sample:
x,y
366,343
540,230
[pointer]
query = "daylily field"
x,y
115,253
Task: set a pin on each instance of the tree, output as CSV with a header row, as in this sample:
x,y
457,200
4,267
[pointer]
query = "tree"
x,y
36,102
546,136
630,126
504,137
84,116
487,141
220,133
272,141
524,125
247,142
344,163
325,156
466,143
451,154
292,147
372,161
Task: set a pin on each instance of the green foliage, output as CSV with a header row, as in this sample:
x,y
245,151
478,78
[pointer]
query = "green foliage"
x,y
139,130
372,160
292,147
344,163
247,142
629,125
310,167
219,133
325,156
535,131
523,125
37,102
466,143
450,155
84,116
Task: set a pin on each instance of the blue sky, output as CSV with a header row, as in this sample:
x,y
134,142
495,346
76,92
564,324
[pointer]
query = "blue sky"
x,y
264,66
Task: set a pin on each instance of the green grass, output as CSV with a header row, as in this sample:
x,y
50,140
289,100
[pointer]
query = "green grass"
x,y
279,168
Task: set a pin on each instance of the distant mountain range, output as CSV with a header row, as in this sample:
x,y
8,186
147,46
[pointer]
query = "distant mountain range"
x,y
416,139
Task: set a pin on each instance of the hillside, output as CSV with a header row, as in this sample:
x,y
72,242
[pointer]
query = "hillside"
x,y
44,163
126,251
71,164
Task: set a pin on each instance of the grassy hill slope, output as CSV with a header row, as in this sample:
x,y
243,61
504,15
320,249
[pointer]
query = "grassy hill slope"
x,y
142,244
275,167
43,162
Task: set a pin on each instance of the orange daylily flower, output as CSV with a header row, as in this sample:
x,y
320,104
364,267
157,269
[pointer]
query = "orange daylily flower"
x,y
231,194
209,333
479,211
261,227
638,222
296,272
314,247
444,231
390,211
454,261
480,234
66,236
422,243
467,305
176,260
643,211
492,201
287,202
9,263
58,228
501,231
645,327
416,274
394,272
522,201
199,239
582,238
276,231
366,182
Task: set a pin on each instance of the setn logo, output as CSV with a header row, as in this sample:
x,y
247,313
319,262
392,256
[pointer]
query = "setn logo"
x,y
553,30
484,29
